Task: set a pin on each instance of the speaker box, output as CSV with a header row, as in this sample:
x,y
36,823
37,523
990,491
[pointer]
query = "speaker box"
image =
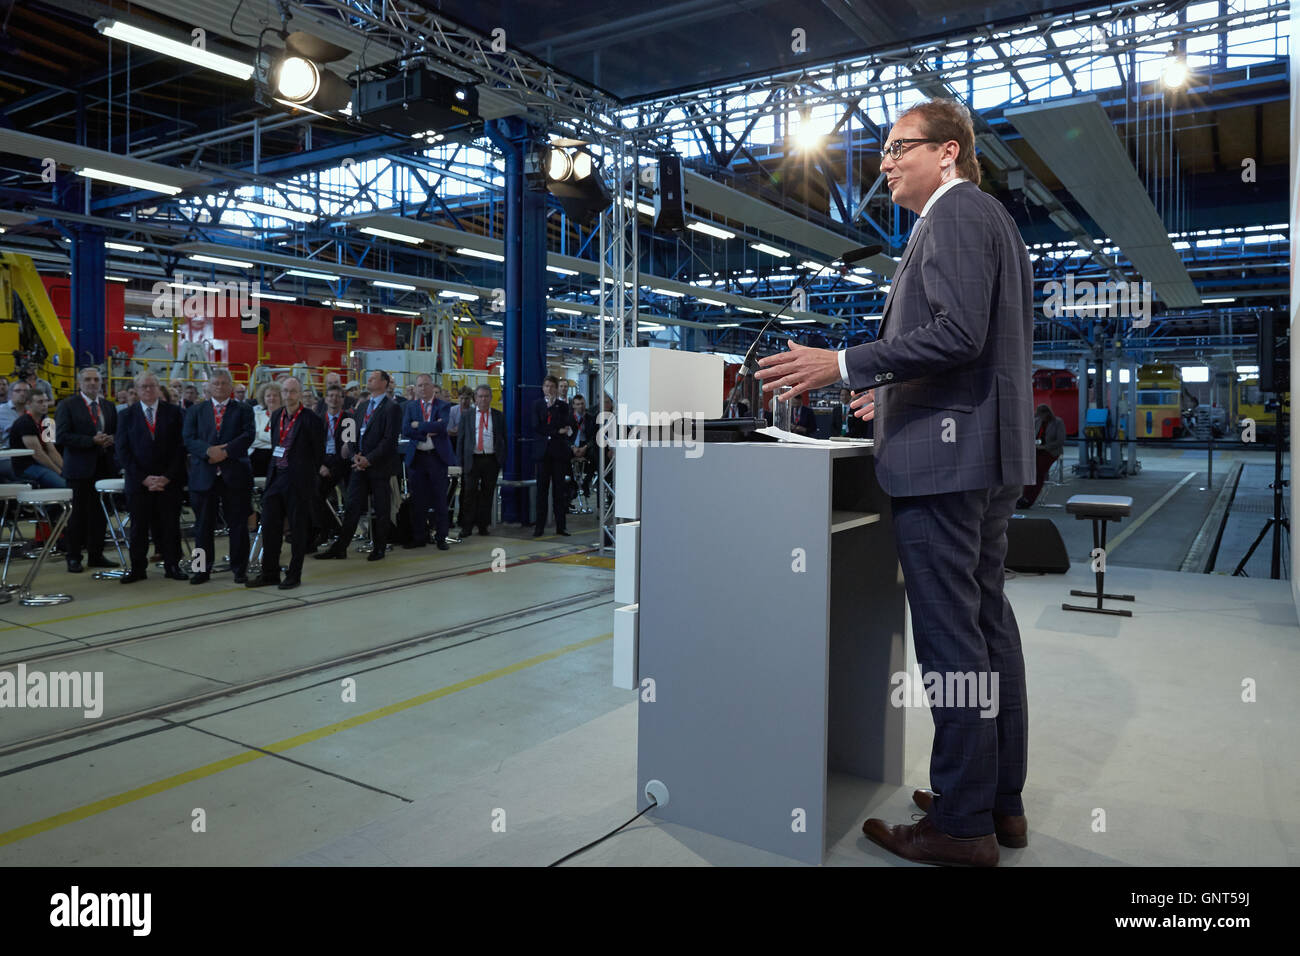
x,y
670,200
1273,354
1035,545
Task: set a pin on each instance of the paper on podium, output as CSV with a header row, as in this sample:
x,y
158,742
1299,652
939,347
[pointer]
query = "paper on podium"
x,y
772,431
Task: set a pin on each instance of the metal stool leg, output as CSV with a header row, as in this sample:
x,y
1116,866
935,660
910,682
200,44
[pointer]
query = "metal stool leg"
x,y
114,522
1099,541
44,600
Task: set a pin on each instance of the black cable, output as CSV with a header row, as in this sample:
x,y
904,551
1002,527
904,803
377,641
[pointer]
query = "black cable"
x,y
604,838
235,32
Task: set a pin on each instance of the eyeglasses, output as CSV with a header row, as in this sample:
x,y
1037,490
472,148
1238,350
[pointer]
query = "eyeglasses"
x,y
895,149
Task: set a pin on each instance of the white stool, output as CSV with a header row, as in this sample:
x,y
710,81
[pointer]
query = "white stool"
x,y
8,495
40,500
108,489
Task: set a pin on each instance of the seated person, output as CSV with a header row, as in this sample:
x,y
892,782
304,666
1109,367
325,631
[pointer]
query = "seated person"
x,y
44,467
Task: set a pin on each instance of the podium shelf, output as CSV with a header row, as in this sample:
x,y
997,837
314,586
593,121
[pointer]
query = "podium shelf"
x,y
844,520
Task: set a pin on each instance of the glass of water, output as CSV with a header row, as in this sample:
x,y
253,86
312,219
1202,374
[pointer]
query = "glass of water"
x,y
782,410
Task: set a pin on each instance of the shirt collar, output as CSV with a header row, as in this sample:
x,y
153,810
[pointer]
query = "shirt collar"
x,y
217,404
87,399
925,210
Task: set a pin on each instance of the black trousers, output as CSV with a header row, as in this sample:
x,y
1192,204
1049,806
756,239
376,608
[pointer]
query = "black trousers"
x,y
477,490
156,513
368,485
426,480
552,477
235,502
281,500
951,548
86,524
325,518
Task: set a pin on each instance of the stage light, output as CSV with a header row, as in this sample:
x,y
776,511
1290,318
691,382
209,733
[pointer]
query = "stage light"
x,y
297,79
581,164
558,164
1175,74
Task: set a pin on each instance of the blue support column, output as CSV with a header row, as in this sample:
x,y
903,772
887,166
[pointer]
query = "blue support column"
x,y
89,307
524,341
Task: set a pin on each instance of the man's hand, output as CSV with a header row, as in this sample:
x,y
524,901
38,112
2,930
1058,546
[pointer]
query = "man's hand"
x,y
361,462
580,452
324,471
216,454
801,368
103,438
864,405
566,430
156,482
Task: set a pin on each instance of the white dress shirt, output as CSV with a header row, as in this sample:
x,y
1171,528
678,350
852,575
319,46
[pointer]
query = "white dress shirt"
x,y
934,196
487,433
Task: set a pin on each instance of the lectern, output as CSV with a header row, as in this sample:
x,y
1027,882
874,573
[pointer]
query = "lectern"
x,y
769,622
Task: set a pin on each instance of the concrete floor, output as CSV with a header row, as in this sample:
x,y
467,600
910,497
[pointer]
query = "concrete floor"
x,y
496,738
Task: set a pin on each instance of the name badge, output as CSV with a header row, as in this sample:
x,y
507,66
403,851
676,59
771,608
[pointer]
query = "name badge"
x,y
279,452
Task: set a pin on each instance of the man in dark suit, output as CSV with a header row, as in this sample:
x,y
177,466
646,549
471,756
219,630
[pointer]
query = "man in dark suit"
x,y
84,426
948,383
151,451
551,431
218,434
802,419
844,422
482,445
582,446
373,453
428,453
334,469
297,450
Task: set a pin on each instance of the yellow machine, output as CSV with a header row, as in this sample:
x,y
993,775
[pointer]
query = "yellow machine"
x,y
1250,404
41,336
1159,402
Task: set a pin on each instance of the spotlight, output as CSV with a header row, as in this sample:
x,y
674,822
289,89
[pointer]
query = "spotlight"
x,y
1175,74
581,164
558,165
298,80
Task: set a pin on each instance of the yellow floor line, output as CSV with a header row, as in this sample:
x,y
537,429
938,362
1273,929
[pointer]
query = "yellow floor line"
x,y
208,770
1123,536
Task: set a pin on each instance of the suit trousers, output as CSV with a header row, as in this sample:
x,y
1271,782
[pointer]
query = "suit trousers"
x,y
155,513
951,547
477,490
86,524
373,486
426,480
553,476
325,518
236,505
281,500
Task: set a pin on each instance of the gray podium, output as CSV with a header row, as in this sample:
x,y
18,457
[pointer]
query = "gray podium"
x,y
766,678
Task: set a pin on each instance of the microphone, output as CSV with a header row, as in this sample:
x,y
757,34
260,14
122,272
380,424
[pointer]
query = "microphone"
x,y
863,252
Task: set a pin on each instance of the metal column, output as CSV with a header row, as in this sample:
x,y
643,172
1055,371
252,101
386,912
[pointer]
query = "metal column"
x,y
89,333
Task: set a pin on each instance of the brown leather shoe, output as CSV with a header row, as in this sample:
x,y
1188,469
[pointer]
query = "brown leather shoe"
x,y
1012,832
924,843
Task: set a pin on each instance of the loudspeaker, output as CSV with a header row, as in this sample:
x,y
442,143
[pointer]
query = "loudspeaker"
x,y
1034,544
1273,352
670,200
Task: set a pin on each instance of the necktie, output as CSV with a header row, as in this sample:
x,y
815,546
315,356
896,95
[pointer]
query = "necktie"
x,y
148,417
218,412
482,427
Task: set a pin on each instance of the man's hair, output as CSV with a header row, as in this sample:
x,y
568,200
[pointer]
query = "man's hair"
x,y
21,385
552,379
139,379
580,398
943,119
336,387
483,388
423,375
1044,410
220,373
382,374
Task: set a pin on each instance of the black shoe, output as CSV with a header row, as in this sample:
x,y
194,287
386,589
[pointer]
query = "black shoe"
x,y
443,545
483,531
99,561
466,532
133,576
1022,503
564,533
261,582
376,555
288,584
240,577
538,532
412,545
74,566
330,554
202,578
175,573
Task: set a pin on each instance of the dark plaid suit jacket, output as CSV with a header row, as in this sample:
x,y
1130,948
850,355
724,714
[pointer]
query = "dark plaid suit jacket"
x,y
952,364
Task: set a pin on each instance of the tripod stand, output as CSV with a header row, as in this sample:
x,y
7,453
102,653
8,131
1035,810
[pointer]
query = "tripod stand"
x,y
1277,523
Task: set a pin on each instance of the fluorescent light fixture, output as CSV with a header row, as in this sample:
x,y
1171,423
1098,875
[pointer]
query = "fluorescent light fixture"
x,y
564,272
566,311
675,295
295,215
1196,373
1219,301
642,207
713,231
728,325
711,301
797,321
551,330
117,278
770,250
1247,369
744,308
385,284
306,274
181,51
386,234
451,294
856,280
402,312
650,327
341,304
218,261
104,175
493,322
277,296
809,264
478,254
123,247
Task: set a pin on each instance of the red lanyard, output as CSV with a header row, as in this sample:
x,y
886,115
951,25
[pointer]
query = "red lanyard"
x,y
149,420
284,432
369,409
218,413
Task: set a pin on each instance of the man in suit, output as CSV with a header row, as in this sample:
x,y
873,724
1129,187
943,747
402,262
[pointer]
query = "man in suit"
x,y
297,450
583,446
802,419
84,426
334,469
551,454
428,453
151,451
844,422
373,453
217,435
948,383
482,445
